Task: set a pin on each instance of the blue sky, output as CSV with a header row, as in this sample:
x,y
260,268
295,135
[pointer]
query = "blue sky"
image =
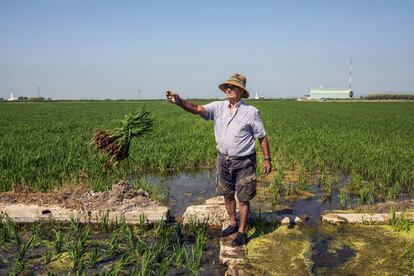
x,y
111,49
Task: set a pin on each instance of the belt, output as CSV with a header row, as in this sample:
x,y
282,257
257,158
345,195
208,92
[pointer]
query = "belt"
x,y
237,157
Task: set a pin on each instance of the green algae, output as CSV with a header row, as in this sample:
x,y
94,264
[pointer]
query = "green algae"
x,y
378,250
328,249
283,251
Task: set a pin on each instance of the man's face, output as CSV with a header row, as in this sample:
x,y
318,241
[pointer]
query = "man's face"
x,y
233,92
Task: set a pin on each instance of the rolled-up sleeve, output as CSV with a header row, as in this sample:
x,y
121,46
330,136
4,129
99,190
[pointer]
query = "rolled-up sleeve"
x,y
210,110
257,126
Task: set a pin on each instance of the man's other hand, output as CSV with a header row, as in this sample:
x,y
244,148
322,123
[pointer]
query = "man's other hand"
x,y
267,167
172,97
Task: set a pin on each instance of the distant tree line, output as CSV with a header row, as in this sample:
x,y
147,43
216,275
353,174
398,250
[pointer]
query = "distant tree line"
x,y
390,97
30,99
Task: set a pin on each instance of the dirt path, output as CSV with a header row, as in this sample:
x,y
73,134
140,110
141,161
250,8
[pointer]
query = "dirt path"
x,y
122,197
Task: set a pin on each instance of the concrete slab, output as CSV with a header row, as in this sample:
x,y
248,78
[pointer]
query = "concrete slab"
x,y
218,200
32,213
215,215
231,254
380,218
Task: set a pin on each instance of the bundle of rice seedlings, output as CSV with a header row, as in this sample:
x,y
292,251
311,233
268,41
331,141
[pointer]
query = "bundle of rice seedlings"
x,y
115,143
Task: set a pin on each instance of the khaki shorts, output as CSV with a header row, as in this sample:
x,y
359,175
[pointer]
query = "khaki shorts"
x,y
236,175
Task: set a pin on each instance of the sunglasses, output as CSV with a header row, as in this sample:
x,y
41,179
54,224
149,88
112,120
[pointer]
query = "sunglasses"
x,y
231,87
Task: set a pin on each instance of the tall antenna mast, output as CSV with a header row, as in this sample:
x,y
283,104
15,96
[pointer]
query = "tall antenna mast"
x,y
350,73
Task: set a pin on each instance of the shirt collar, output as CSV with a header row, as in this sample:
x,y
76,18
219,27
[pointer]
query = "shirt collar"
x,y
237,104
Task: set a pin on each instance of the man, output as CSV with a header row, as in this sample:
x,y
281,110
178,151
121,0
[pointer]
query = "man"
x,y
236,128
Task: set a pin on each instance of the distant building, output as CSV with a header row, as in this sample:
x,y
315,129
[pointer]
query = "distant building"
x,y
330,93
12,98
257,97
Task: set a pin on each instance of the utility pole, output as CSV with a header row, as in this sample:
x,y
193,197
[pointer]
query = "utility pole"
x,y
38,91
139,93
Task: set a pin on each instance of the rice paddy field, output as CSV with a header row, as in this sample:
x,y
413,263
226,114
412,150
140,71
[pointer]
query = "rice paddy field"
x,y
46,145
351,150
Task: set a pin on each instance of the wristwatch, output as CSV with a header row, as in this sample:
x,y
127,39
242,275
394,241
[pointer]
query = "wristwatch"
x,y
268,159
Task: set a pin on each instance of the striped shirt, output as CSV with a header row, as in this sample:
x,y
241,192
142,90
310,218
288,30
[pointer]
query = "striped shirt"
x,y
235,132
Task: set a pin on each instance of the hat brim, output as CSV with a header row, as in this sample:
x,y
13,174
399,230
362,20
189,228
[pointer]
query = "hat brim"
x,y
223,85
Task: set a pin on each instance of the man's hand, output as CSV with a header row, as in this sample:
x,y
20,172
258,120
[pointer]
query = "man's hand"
x,y
173,97
267,167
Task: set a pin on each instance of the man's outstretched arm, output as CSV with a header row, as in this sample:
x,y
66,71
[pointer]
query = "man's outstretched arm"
x,y
186,105
264,144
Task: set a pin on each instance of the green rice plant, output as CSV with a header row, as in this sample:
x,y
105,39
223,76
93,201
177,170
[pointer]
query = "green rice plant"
x,y
160,228
304,186
20,261
48,257
75,224
201,239
115,143
114,245
140,247
355,182
329,187
37,234
4,233
57,239
3,261
402,222
342,197
178,233
179,253
276,187
302,177
408,255
363,194
147,262
104,222
76,247
119,266
194,254
291,189
143,221
122,226
193,259
130,233
94,255
371,193
194,225
276,184
165,264
13,229
395,191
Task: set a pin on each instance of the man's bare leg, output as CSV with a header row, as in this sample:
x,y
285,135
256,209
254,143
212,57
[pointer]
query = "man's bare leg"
x,y
244,209
230,203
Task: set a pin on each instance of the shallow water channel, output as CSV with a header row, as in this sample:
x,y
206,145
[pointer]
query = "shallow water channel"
x,y
312,248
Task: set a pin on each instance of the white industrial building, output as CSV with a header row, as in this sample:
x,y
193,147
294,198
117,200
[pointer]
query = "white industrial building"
x,y
330,93
12,98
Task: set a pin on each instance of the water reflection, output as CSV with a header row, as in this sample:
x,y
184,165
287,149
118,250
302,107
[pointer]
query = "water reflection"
x,y
187,188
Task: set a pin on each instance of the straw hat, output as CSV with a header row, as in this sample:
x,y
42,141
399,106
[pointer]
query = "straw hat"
x,y
237,80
